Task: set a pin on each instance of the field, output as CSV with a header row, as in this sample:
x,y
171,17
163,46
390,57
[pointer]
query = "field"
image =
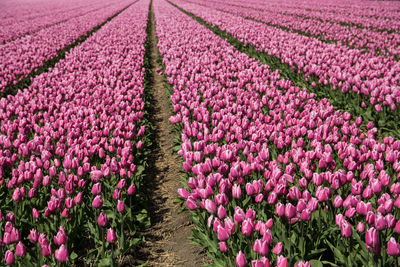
x,y
199,132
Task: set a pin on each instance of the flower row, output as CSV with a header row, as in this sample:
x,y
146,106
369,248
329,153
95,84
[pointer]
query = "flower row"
x,y
349,70
273,176
71,150
40,15
366,40
22,56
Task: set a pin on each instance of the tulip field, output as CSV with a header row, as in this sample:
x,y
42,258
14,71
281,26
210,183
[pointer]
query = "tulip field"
x,y
286,117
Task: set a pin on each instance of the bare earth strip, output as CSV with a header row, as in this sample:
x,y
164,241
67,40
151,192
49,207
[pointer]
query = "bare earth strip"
x,y
167,241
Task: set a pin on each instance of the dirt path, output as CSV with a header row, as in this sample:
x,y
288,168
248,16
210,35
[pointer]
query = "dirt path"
x,y
168,239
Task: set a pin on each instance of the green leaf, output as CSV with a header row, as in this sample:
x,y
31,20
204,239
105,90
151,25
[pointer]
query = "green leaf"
x,y
316,263
73,256
338,254
105,262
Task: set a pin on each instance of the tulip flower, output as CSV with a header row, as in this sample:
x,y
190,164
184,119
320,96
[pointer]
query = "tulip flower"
x,y
9,257
281,262
222,246
97,202
278,248
111,237
61,254
241,260
102,220
120,206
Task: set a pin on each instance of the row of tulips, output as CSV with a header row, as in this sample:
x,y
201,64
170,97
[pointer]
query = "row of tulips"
x,y
73,150
273,176
41,15
25,55
375,77
285,51
364,39
371,15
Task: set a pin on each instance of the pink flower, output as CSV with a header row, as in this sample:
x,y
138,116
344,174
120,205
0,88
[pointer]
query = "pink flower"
x,y
236,191
120,206
131,189
290,211
102,220
210,206
360,227
393,249
33,236
222,246
61,237
191,204
20,250
96,189
241,260
346,230
111,237
278,248
61,254
9,257
247,227
223,235
281,262
97,202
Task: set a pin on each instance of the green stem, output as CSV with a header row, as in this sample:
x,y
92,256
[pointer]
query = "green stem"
x,y
112,257
103,243
122,243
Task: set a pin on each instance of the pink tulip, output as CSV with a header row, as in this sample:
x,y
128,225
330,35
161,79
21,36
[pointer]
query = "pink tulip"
x,y
277,250
236,191
281,262
247,227
360,227
97,202
20,250
223,235
222,246
9,257
393,249
33,236
346,230
111,237
191,204
241,260
61,254
120,206
210,206
131,189
102,220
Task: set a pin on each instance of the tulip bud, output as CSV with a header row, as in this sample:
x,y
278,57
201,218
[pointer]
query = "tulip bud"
x,y
210,206
277,250
111,237
247,227
120,206
20,250
223,235
222,246
281,262
61,254
33,236
393,248
9,257
97,202
131,189
241,260
102,220
360,227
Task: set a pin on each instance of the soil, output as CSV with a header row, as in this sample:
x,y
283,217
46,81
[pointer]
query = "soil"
x,y
167,241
